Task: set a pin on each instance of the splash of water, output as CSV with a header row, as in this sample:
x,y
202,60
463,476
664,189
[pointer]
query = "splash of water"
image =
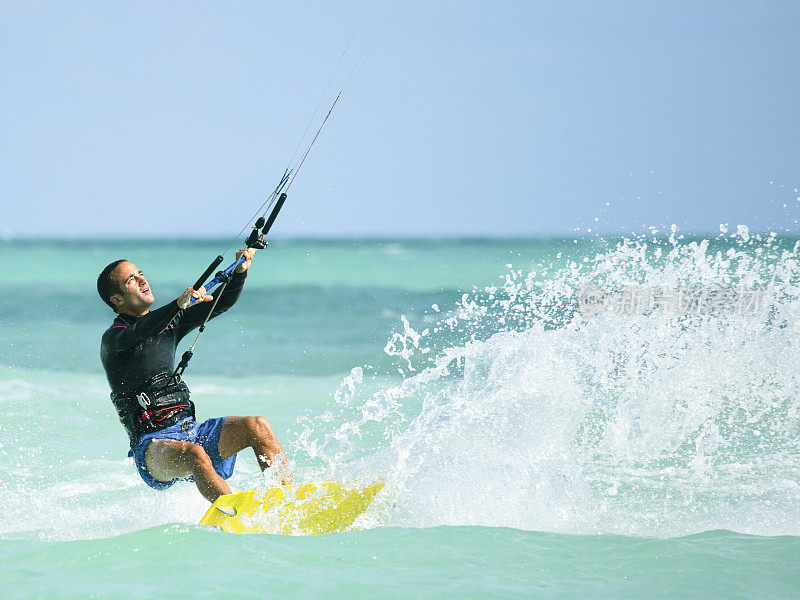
x,y
518,408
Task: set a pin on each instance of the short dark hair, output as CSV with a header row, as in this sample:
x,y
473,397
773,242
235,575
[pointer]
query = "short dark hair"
x,y
106,286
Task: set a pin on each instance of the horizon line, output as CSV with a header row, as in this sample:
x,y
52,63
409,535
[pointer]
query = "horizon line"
x,y
582,235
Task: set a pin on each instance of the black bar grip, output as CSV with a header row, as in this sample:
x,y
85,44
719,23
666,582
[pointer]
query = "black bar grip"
x,y
252,239
207,272
274,214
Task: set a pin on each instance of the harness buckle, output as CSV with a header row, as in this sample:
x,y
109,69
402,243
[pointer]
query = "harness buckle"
x,y
143,399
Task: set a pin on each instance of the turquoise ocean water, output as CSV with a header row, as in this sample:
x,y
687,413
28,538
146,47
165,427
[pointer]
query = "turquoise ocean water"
x,y
591,418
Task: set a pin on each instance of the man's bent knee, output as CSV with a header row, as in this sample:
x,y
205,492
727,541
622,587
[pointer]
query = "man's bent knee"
x,y
259,428
194,455
171,459
256,424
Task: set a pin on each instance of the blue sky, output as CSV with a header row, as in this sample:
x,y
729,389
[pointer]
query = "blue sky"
x,y
467,118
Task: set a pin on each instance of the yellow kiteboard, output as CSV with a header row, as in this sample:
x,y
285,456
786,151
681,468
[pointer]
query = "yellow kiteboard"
x,y
310,509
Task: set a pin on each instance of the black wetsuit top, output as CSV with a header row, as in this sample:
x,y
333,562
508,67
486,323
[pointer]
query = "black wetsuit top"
x,y
138,354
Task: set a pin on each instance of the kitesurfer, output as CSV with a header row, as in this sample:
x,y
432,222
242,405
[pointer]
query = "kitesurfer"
x,y
138,354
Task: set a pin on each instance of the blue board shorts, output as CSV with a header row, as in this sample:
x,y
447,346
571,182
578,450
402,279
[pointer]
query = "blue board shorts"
x,y
206,434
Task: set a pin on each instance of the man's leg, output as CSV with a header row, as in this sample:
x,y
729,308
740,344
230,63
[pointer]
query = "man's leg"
x,y
168,459
239,433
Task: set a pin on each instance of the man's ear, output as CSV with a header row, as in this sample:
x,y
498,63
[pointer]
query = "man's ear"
x,y
116,299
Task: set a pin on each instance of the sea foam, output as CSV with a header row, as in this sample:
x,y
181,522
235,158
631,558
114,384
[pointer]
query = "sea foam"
x,y
663,402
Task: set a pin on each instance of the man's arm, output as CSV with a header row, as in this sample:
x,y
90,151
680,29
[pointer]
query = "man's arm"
x,y
195,315
119,338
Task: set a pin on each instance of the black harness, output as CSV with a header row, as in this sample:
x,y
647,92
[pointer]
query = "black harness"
x,y
152,409
163,407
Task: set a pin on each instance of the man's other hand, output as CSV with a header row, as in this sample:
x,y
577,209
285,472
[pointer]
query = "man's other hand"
x,y
248,253
199,295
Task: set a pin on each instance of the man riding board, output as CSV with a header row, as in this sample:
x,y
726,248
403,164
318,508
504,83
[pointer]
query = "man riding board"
x,y
138,355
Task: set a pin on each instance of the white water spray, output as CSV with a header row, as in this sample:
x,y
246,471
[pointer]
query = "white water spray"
x,y
672,407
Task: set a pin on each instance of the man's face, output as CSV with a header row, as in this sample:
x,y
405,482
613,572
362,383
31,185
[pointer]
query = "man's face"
x,y
134,297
